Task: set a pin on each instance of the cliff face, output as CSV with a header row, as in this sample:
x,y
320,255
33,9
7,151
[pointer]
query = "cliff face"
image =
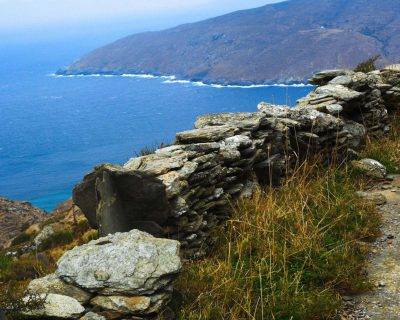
x,y
15,217
284,42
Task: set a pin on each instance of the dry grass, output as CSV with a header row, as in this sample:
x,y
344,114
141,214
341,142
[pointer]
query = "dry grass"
x,y
387,149
290,253
287,254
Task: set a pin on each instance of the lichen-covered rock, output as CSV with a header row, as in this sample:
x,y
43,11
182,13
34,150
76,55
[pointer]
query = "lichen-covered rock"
x,y
133,263
133,305
272,110
371,168
53,284
92,316
339,92
56,306
44,235
206,134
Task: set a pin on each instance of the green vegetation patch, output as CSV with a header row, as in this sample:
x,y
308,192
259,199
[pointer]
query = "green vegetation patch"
x,y
287,254
367,65
387,149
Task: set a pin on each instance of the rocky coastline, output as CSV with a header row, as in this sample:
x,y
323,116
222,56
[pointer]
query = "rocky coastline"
x,y
158,210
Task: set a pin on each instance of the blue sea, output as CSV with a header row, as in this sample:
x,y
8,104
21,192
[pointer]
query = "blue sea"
x,y
53,130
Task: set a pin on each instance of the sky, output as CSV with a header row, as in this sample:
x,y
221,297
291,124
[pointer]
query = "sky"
x,y
30,20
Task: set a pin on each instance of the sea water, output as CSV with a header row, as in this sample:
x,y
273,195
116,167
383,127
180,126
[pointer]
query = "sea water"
x,y
53,129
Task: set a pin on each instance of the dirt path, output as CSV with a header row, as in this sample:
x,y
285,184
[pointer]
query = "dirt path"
x,y
383,303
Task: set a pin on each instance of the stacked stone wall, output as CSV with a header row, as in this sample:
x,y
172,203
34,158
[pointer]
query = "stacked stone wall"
x,y
183,191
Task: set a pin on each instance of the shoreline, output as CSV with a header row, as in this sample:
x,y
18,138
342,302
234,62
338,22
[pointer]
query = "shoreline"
x,y
176,80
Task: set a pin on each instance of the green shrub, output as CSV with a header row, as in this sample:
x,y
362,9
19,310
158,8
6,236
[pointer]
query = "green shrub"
x,y
5,262
13,304
59,238
367,65
20,239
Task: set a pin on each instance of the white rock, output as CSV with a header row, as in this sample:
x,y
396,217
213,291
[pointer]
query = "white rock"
x,y
92,316
57,306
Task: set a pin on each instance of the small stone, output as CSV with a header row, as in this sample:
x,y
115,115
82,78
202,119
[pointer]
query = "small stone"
x,y
101,275
92,316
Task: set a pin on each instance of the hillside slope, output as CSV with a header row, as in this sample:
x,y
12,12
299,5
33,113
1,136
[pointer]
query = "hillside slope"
x,y
284,42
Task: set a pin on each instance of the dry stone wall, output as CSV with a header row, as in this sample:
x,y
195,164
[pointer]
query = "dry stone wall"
x,y
183,191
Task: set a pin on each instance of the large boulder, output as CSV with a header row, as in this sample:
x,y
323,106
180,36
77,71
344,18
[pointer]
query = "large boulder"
x,y
119,199
56,306
133,263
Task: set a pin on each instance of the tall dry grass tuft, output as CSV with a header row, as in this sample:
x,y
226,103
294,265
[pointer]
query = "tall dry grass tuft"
x,y
287,253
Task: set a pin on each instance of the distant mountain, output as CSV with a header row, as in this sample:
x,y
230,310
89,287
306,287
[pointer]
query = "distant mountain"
x,y
283,42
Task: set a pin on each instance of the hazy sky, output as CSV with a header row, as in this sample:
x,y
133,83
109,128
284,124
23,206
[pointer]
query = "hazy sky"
x,y
18,15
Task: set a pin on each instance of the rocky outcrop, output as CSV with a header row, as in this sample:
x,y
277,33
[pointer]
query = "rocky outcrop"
x,y
15,217
128,274
183,191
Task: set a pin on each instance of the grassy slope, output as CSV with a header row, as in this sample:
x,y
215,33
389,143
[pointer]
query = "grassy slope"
x,y
291,253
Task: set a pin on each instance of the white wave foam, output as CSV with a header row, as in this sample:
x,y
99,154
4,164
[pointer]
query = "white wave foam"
x,y
175,80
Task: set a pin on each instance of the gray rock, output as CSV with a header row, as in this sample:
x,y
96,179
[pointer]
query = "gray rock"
x,y
323,77
238,142
92,316
249,121
135,263
342,80
339,92
157,164
57,306
371,168
206,134
174,183
272,110
53,284
46,234
357,134
334,109
376,198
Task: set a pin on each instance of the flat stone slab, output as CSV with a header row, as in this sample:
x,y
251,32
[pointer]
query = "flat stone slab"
x,y
206,134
